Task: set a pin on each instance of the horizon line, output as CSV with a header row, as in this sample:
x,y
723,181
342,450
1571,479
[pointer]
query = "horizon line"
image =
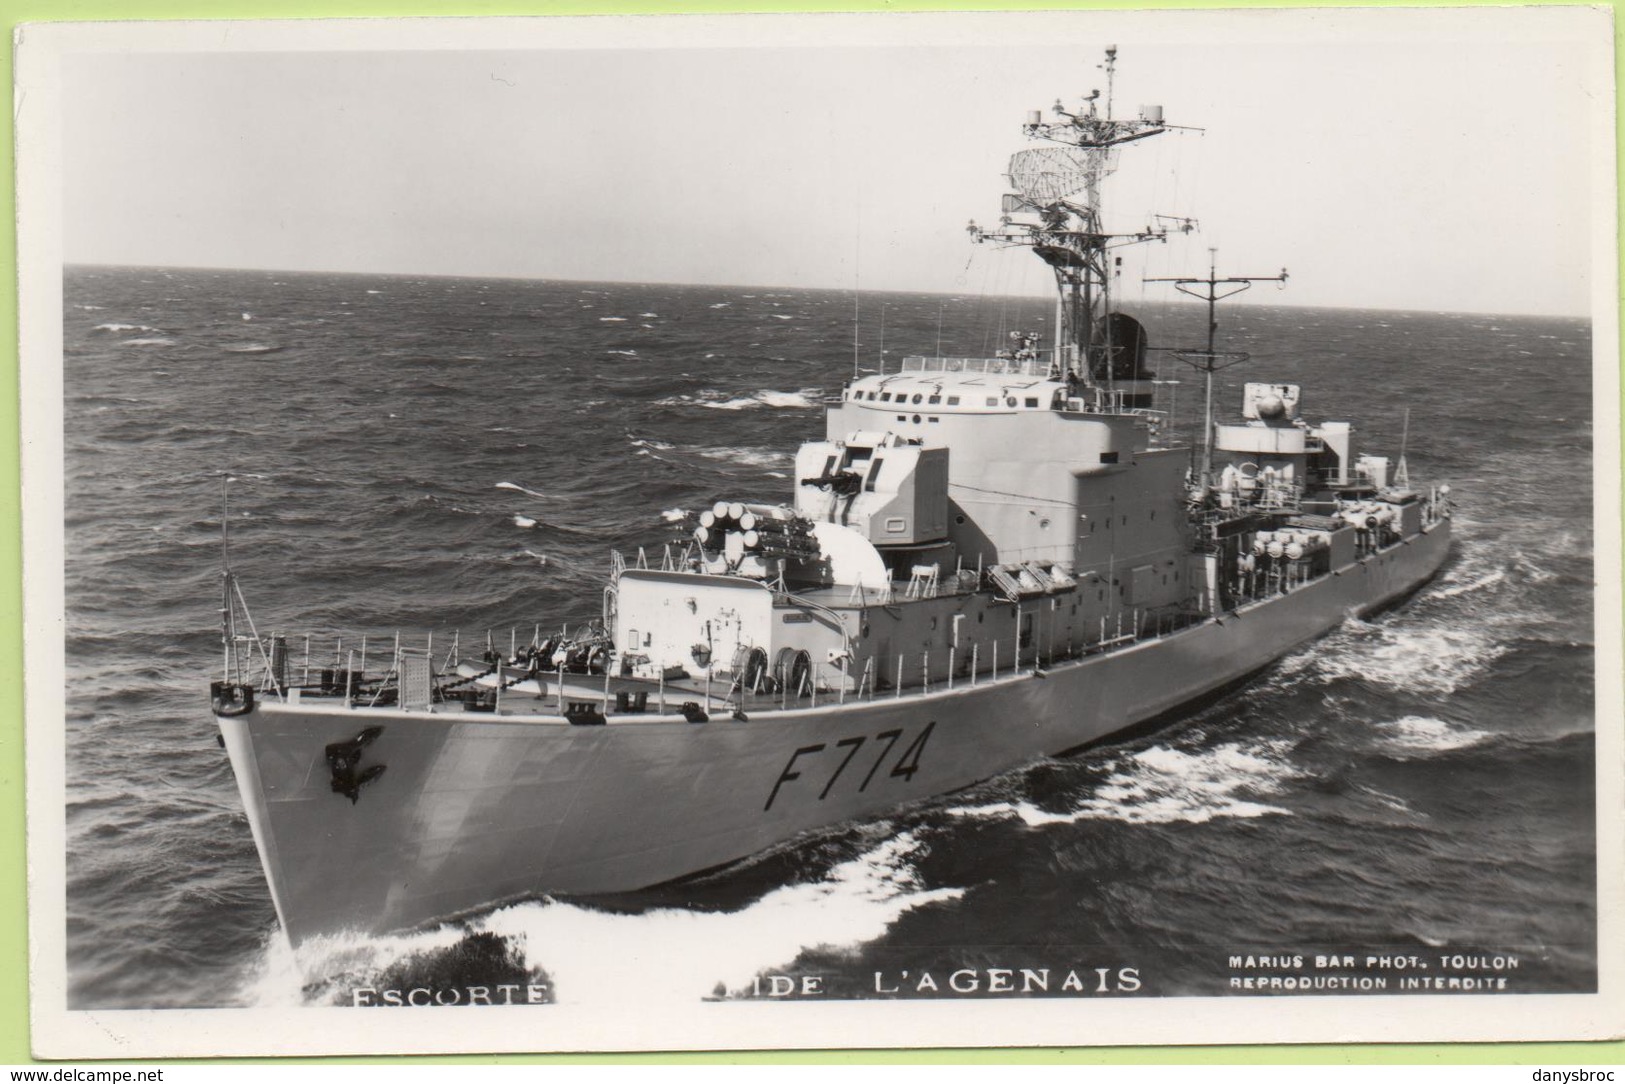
x,y
1588,316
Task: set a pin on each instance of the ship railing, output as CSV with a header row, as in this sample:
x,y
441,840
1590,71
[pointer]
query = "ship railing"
x,y
998,366
673,558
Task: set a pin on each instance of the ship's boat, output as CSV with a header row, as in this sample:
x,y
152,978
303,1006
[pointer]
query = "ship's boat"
x,y
985,560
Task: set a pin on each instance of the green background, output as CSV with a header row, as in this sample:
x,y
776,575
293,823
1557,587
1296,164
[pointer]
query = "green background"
x,y
14,1046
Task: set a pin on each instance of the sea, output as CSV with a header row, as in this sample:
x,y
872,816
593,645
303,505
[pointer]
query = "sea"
x,y
455,458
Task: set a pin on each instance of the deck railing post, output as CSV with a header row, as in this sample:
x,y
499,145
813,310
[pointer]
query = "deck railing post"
x,y
349,679
973,663
995,659
306,680
561,687
899,689
662,690
925,672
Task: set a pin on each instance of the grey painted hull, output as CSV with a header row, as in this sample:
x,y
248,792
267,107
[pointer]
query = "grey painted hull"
x,y
476,809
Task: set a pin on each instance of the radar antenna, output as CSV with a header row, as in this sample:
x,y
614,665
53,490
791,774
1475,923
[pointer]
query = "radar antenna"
x,y
1068,234
1213,290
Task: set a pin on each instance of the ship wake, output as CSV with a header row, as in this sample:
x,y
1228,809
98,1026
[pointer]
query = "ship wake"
x,y
590,957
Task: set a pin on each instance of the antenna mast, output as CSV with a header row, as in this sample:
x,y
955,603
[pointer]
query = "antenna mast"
x,y
1209,361
1068,235
228,631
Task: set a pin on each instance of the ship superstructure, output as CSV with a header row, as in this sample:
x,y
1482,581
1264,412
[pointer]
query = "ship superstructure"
x,y
984,560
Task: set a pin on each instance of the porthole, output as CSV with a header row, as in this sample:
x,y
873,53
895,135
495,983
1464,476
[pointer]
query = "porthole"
x,y
917,398
916,418
959,519
1010,400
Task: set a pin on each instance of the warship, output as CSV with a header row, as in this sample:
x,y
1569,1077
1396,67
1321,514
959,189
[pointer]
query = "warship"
x,y
984,561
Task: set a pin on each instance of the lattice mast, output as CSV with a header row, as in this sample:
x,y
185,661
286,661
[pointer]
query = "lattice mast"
x,y
1069,235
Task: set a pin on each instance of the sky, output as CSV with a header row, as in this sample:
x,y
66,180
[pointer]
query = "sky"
x,y
1388,159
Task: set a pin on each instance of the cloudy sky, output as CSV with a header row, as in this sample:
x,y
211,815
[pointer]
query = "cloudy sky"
x,y
1432,160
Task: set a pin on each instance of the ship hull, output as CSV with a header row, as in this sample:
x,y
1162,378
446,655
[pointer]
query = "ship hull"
x,y
473,810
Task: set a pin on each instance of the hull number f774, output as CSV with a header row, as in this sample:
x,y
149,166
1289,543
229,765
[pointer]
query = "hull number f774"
x,y
825,764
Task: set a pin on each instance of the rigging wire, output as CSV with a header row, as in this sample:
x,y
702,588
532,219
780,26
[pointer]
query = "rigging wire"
x,y
1020,497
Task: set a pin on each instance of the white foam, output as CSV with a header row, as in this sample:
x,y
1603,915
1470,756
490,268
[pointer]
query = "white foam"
x,y
123,327
149,342
612,319
800,400
624,353
523,521
748,457
720,305
1430,658
650,315
1164,785
678,956
672,515
283,975
1487,580
520,488
650,442
1418,735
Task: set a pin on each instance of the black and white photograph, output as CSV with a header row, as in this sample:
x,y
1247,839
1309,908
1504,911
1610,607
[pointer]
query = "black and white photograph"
x,y
708,532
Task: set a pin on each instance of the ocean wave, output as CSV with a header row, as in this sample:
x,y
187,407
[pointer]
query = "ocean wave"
x,y
748,457
1419,735
1435,658
252,348
1489,579
1164,785
123,327
520,489
523,521
711,398
149,342
606,959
